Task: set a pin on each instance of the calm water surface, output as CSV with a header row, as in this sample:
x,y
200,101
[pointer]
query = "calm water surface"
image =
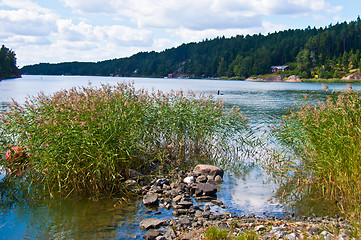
x,y
247,192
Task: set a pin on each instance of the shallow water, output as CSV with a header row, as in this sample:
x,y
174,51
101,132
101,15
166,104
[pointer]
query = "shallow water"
x,y
246,191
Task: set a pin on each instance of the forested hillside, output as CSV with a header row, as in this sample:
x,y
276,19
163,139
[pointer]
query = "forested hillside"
x,y
8,68
328,52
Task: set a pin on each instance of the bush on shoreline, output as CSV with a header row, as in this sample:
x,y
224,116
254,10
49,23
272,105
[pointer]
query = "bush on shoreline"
x,y
326,139
83,140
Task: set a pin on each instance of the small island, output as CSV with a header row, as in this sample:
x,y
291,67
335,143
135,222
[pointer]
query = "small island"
x,y
8,68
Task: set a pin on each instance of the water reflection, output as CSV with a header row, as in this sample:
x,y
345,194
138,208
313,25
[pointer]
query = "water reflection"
x,y
22,215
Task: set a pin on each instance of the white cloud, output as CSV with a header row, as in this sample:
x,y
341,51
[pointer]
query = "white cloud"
x,y
117,34
188,35
25,22
201,14
23,4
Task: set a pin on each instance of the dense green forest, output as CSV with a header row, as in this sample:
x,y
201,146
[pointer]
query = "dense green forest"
x,y
8,68
329,52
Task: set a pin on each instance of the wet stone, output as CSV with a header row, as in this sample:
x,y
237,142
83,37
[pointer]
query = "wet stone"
x,y
152,234
207,189
217,202
151,223
218,179
185,204
151,199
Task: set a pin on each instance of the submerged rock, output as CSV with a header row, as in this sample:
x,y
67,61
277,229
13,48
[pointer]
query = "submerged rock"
x,y
151,223
207,189
152,234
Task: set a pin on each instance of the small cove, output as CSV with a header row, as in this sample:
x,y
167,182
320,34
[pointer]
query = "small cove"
x,y
244,192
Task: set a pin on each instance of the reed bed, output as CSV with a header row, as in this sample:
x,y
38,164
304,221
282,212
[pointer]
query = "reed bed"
x,y
84,140
323,160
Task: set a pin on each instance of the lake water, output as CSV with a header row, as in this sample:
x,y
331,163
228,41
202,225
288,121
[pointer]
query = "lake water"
x,y
245,193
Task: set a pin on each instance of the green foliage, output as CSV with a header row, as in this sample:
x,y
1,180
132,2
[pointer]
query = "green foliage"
x,y
84,140
325,140
8,67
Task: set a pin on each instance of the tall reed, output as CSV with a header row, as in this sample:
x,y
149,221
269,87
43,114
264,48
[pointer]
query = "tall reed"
x,y
84,140
325,156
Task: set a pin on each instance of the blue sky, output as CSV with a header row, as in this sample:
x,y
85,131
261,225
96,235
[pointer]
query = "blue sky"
x,y
94,30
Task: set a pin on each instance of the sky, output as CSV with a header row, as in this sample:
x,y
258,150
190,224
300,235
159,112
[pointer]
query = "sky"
x,y
55,31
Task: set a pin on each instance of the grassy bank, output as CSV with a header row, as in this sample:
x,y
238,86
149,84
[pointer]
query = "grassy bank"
x,y
84,140
324,157
329,80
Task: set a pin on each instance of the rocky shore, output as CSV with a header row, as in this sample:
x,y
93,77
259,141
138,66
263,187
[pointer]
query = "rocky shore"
x,y
192,198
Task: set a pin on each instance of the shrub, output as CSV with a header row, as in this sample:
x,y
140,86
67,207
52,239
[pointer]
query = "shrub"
x,y
325,156
84,140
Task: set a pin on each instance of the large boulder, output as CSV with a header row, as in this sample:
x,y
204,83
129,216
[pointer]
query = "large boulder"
x,y
151,223
208,170
352,77
293,78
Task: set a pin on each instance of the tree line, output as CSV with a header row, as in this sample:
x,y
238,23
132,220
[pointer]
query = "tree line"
x,y
8,68
328,52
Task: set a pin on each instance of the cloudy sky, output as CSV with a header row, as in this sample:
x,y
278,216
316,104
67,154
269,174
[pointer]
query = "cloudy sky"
x,y
94,30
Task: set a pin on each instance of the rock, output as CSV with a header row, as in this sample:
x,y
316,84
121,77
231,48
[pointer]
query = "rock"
x,y
198,214
218,179
151,223
293,78
314,230
352,77
185,204
152,234
208,170
326,235
162,181
151,199
207,189
184,221
130,183
291,236
170,234
155,189
278,232
177,198
207,208
188,180
201,179
217,202
133,174
189,236
260,228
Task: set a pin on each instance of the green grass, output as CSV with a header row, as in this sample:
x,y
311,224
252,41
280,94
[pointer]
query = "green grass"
x,y
324,158
329,80
82,141
214,233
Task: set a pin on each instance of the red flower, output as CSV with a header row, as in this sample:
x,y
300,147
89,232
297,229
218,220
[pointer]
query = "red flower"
x,y
7,154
